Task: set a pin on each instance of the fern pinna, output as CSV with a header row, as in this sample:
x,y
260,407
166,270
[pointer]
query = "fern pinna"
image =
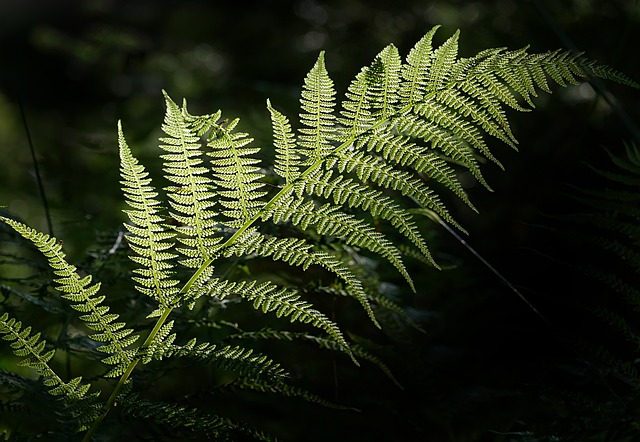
x,y
347,174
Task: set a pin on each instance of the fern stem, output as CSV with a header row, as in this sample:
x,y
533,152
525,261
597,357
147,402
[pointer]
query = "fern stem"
x,y
132,365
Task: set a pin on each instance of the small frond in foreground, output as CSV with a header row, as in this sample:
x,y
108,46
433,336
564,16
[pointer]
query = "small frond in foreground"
x,y
82,406
78,290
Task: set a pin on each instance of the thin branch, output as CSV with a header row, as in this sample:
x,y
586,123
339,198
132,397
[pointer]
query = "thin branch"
x,y
43,195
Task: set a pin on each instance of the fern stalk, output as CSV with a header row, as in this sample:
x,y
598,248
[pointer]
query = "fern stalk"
x,y
132,365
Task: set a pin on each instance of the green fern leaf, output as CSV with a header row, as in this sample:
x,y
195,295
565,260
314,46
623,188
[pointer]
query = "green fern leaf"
x,y
287,157
149,239
355,195
298,252
329,220
415,71
384,175
455,150
442,64
362,101
242,361
192,196
84,297
268,297
403,129
236,175
390,84
73,394
317,103
401,151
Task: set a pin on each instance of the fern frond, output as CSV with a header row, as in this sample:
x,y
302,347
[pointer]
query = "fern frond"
x,y
84,406
160,344
236,175
376,170
84,299
363,101
445,110
198,288
268,297
403,129
329,220
455,150
294,251
241,361
394,120
187,421
192,196
390,81
317,103
148,238
31,348
287,156
416,70
286,390
298,252
474,79
355,195
591,68
402,152
373,95
442,63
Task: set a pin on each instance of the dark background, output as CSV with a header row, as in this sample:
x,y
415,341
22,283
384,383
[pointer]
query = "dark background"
x,y
74,68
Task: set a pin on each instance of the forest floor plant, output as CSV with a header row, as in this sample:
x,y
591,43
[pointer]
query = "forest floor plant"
x,y
345,187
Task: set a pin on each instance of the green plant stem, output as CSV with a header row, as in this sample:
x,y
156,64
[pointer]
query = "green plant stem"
x,y
132,365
